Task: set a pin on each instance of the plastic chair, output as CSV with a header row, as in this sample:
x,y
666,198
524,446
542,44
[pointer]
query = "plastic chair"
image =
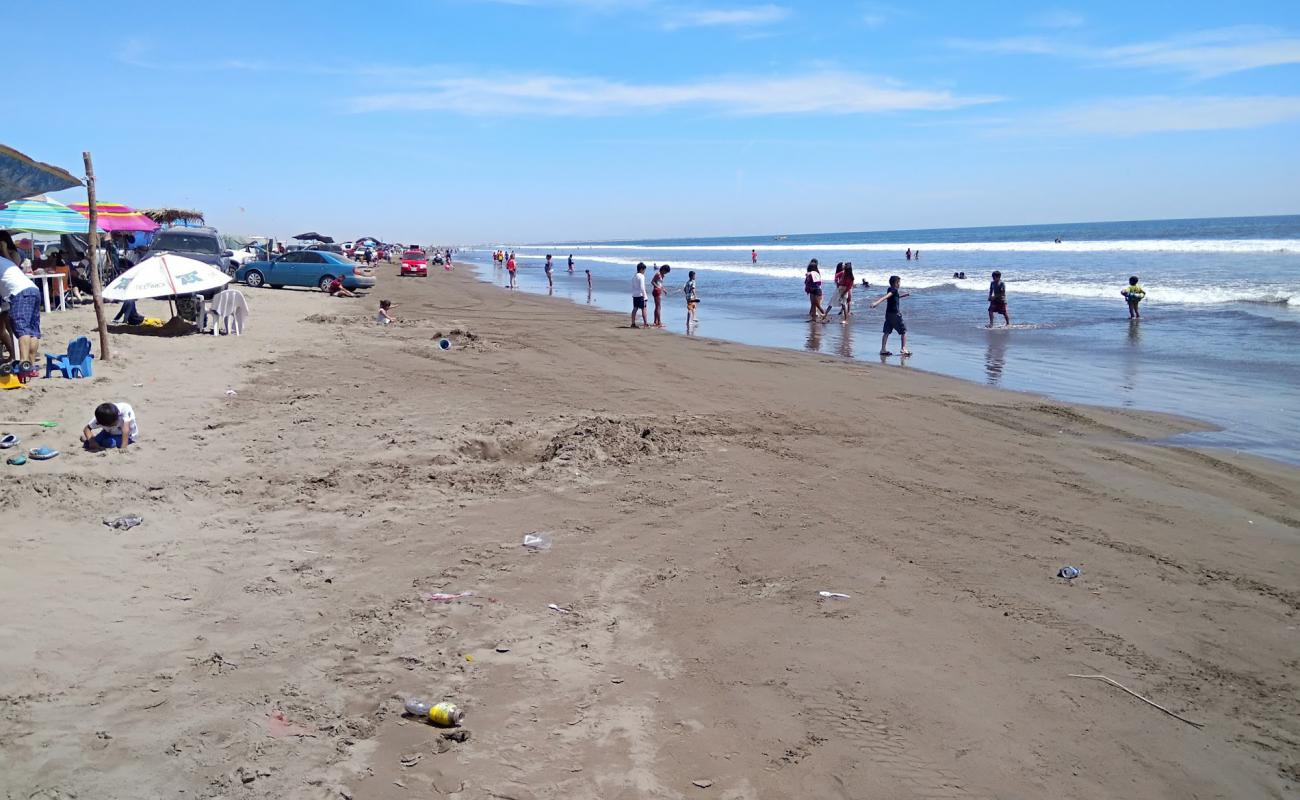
x,y
75,361
230,310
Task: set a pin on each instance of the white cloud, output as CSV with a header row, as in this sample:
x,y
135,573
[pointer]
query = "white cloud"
x,y
1205,54
1139,115
1057,18
725,17
821,92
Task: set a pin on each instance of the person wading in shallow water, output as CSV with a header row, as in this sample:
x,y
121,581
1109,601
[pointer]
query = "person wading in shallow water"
x,y
893,316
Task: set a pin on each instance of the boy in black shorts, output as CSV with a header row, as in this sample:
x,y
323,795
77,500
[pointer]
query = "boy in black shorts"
x,y
893,316
998,299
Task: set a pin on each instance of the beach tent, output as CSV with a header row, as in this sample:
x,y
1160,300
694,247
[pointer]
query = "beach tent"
x,y
163,276
21,176
116,217
41,215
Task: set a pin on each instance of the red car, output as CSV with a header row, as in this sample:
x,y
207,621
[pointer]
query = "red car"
x,y
414,262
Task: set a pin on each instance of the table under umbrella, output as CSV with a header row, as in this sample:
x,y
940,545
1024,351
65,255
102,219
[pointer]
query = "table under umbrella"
x,y
117,217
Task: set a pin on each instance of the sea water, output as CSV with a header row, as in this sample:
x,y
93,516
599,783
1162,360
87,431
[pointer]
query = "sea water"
x,y
1219,338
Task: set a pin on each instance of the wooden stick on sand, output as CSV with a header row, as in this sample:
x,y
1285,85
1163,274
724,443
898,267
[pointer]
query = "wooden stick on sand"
x,y
1140,697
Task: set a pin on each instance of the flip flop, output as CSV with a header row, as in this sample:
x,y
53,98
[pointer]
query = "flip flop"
x,y
18,460
8,441
42,453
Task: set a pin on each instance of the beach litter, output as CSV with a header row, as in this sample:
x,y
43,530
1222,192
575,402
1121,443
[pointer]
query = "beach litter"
x,y
279,726
443,597
833,595
554,607
702,784
125,522
1068,572
444,344
1119,685
231,393
537,541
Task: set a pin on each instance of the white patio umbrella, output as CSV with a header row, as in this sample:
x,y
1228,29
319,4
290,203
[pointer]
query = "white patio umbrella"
x,y
163,276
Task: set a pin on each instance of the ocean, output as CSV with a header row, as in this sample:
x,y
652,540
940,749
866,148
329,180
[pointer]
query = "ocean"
x,y
1219,338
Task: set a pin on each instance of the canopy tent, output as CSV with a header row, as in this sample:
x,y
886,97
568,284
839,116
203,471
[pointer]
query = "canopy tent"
x,y
41,215
163,276
115,217
314,236
171,216
22,176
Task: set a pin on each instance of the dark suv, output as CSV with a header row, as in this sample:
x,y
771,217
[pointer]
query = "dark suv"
x,y
200,244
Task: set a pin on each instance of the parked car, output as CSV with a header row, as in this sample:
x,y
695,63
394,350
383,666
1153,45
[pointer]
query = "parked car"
x,y
306,268
200,244
414,262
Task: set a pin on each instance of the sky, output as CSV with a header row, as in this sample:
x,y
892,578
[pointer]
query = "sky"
x,y
505,121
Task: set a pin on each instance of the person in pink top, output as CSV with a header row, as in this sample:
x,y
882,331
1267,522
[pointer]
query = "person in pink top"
x,y
510,267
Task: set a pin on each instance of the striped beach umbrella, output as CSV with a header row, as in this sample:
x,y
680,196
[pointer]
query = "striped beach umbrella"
x,y
41,215
117,217
23,176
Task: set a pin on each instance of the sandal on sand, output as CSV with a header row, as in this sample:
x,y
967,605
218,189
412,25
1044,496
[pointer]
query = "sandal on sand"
x,y
18,460
42,453
8,441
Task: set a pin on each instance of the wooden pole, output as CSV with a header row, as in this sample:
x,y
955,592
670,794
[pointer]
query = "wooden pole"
x,y
96,284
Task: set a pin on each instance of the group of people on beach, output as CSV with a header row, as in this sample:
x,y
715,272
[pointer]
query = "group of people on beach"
x,y
657,290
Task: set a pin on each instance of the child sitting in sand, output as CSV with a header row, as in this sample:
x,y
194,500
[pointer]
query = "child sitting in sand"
x,y
336,289
1133,294
116,425
383,317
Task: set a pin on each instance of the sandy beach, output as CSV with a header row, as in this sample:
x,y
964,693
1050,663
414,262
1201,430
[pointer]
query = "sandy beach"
x,y
257,634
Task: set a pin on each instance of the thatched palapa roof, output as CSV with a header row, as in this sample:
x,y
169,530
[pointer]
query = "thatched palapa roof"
x,y
171,216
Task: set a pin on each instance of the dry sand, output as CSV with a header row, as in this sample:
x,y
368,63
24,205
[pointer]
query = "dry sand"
x,y
256,635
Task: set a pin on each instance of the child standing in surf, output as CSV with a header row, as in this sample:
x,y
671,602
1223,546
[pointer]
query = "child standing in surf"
x,y
998,299
1133,294
893,316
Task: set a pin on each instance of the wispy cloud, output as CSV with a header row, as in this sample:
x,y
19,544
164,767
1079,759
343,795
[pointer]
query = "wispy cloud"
x,y
821,92
1057,18
1160,114
747,16
1204,54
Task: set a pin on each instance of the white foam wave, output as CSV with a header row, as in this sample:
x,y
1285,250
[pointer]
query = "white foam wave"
x,y
1117,246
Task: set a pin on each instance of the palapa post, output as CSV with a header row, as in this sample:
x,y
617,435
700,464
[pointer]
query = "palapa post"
x,y
96,285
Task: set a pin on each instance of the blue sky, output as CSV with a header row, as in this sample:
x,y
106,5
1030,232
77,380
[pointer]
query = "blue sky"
x,y
522,120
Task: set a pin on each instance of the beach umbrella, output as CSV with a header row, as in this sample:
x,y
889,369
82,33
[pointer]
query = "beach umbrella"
x,y
41,215
314,236
165,275
22,176
115,217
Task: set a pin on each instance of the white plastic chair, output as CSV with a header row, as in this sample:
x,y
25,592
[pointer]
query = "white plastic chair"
x,y
231,312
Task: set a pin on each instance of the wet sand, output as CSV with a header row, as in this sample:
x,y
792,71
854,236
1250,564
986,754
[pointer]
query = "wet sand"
x,y
256,635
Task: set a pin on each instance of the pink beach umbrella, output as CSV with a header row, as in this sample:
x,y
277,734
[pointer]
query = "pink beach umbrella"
x,y
117,217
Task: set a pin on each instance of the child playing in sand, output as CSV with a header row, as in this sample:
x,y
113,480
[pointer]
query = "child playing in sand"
x,y
383,317
116,425
336,289
1133,294
638,296
692,300
998,299
893,316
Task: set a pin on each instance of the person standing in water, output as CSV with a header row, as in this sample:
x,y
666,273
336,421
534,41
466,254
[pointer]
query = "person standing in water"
x,y
638,296
812,285
657,290
1133,294
893,316
845,293
753,256
570,263
692,300
909,254
510,268
550,277
998,299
